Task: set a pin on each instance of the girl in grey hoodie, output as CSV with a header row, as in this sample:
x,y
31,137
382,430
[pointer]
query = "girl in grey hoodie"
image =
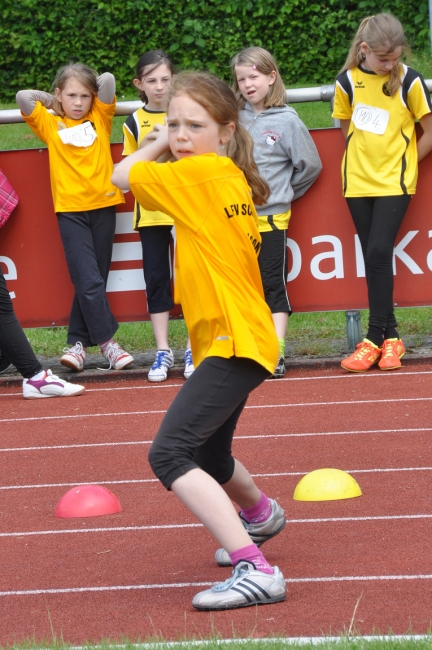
x,y
287,158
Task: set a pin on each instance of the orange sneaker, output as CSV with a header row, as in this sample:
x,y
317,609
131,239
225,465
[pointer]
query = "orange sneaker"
x,y
392,352
364,357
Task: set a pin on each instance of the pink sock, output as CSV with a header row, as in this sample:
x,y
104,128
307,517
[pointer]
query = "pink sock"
x,y
103,345
251,554
259,512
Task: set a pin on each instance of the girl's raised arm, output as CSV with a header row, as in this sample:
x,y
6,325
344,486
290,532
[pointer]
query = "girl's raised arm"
x,y
26,100
107,87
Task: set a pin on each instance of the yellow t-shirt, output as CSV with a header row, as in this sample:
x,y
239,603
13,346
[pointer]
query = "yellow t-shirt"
x,y
135,129
216,259
80,176
268,223
380,164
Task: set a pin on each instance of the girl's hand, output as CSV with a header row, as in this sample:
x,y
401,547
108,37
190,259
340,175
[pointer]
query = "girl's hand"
x,y
159,133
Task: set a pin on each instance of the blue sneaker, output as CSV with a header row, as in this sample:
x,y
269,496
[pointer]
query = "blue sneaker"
x,y
163,362
188,363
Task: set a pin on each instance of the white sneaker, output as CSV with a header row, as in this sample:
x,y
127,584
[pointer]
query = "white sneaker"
x,y
259,533
188,362
116,356
74,357
50,386
246,587
163,362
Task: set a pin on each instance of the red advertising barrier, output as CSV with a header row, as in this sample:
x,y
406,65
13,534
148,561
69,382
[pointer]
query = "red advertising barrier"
x,y
326,269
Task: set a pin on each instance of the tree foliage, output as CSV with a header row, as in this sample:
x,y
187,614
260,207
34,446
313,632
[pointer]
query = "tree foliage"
x,y
309,39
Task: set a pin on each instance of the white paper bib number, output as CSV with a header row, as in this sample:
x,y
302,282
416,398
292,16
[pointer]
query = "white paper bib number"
x,y
370,118
82,135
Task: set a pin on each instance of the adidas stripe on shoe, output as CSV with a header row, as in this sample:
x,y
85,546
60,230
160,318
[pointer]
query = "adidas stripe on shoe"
x,y
246,587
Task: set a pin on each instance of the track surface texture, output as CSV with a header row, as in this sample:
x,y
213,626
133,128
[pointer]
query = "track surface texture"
x,y
363,564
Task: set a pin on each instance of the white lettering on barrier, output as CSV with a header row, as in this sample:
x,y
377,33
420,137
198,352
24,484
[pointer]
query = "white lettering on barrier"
x,y
360,265
404,257
429,255
131,250
296,259
124,223
11,273
127,280
336,254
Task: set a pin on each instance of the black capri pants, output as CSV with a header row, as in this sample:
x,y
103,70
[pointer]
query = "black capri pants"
x,y
198,428
273,265
155,242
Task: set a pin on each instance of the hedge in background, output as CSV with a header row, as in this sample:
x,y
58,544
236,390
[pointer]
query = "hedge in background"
x,y
309,40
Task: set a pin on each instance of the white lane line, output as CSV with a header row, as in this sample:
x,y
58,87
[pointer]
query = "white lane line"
x,y
378,470
128,529
182,585
267,436
258,406
351,376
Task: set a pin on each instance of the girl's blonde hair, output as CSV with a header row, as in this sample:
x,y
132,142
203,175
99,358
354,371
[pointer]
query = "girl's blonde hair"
x,y
83,73
151,60
219,101
264,62
382,33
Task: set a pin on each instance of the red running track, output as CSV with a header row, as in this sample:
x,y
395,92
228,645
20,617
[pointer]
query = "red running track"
x,y
134,574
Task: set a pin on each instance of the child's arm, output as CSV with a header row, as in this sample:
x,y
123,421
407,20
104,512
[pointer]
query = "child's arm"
x,y
304,156
26,100
424,144
345,125
106,88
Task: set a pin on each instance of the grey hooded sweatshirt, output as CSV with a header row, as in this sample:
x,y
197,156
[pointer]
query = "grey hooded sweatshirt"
x,y
285,154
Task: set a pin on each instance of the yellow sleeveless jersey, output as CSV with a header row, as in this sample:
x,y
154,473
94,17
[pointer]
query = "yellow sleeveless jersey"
x,y
381,150
80,176
135,129
217,254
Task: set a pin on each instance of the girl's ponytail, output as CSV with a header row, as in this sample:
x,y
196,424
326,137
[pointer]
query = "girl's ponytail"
x,y
240,150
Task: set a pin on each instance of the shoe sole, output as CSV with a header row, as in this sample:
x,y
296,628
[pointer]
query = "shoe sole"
x,y
269,601
393,367
364,370
42,396
123,365
157,379
70,365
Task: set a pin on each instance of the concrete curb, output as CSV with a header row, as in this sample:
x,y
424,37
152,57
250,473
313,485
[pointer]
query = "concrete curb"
x,y
95,363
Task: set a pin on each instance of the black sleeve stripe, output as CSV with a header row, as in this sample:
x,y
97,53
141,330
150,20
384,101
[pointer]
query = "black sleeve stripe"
x,y
345,83
412,77
132,125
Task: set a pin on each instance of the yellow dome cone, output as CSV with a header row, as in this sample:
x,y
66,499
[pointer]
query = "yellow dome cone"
x,y
326,485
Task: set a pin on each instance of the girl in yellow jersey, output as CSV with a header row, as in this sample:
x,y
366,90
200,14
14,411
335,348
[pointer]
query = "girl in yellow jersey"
x,y
154,72
377,101
210,192
78,141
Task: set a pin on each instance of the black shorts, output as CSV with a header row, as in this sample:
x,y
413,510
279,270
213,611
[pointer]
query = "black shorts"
x,y
198,428
273,263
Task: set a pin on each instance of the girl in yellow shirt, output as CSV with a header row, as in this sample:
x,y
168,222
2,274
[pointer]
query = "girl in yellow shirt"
x,y
210,192
78,141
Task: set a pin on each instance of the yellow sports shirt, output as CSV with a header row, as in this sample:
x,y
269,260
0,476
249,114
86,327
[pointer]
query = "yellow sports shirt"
x,y
274,222
381,150
216,259
135,129
80,176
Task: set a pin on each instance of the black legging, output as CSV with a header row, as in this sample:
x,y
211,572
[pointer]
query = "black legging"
x,y
377,220
14,345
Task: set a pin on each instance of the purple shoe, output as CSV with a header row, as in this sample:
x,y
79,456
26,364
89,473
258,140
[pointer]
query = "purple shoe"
x,y
50,386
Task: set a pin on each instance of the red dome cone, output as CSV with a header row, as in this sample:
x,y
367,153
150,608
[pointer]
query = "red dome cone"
x,y
87,501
